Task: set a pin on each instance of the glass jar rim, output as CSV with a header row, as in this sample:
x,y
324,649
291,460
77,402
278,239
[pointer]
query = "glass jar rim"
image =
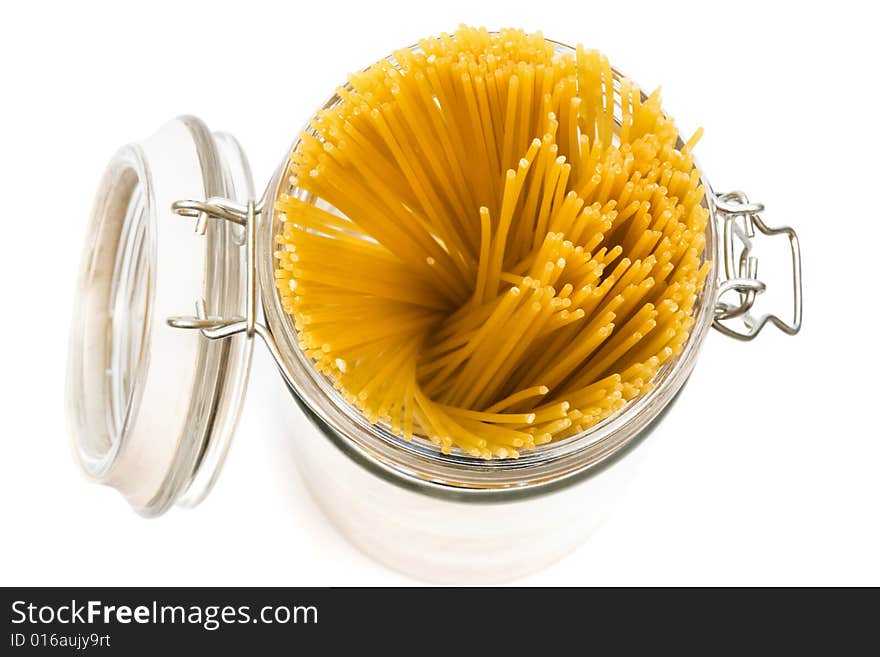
x,y
419,464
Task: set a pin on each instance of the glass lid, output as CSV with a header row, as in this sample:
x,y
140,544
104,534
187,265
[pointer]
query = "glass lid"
x,y
152,409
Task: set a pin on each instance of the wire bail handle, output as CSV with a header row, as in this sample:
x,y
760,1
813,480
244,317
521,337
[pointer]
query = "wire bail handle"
x,y
739,218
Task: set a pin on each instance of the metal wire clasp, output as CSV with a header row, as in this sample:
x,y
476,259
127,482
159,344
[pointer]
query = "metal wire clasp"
x,y
218,328
243,215
739,218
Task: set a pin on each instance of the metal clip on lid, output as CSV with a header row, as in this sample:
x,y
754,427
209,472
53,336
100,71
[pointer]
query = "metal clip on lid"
x,y
739,218
220,327
241,215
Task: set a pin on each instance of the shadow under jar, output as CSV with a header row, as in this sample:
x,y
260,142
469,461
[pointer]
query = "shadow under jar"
x,y
154,396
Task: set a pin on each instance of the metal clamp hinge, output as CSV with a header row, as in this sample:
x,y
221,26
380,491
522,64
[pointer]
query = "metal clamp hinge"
x,y
242,215
739,218
218,328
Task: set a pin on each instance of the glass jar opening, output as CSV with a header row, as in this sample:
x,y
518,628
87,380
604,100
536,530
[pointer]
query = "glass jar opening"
x,y
419,460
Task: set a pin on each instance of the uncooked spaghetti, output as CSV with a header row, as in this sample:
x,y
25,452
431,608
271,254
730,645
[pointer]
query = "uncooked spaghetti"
x,y
511,246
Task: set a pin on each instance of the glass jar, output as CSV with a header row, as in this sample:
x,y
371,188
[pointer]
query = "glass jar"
x,y
154,396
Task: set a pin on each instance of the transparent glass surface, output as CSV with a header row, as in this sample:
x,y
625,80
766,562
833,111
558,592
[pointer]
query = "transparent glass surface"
x,y
109,349
115,366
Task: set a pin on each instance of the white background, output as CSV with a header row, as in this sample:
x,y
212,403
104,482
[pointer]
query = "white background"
x,y
765,471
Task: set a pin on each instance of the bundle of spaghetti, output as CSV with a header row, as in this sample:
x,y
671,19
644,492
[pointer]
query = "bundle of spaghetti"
x,y
507,243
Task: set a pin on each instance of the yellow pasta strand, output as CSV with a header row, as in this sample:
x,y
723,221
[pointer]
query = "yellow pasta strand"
x,y
509,246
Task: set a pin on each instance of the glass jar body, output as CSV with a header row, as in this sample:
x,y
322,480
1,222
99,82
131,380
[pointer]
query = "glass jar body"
x,y
441,539
453,518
